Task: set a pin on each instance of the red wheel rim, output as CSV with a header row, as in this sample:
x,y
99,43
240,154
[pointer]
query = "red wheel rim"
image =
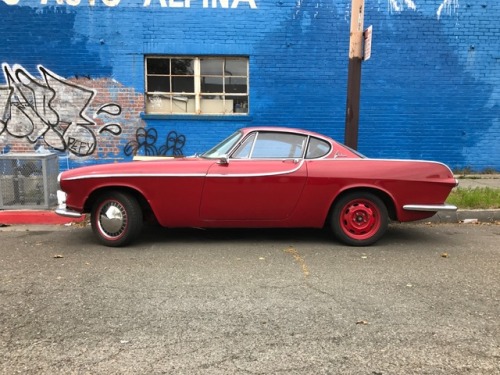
x,y
360,219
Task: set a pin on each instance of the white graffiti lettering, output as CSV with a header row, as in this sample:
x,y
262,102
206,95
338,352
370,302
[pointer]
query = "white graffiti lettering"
x,y
59,2
251,3
205,3
448,6
111,3
212,4
53,109
108,3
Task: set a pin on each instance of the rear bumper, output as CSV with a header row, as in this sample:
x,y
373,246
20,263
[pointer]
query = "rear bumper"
x,y
430,207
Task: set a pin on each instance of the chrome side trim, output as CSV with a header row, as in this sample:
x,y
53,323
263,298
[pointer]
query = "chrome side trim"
x,y
229,175
83,177
430,207
62,211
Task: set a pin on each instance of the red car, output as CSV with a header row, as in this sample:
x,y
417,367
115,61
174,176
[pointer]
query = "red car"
x,y
258,177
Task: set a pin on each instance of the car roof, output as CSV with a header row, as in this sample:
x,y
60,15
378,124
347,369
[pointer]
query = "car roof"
x,y
284,130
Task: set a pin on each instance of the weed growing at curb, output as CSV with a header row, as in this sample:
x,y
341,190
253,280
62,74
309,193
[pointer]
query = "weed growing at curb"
x,y
475,198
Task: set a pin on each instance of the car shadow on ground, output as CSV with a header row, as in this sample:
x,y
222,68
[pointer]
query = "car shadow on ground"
x,y
396,234
192,235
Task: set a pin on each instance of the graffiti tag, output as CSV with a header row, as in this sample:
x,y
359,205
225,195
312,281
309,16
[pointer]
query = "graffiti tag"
x,y
51,108
145,142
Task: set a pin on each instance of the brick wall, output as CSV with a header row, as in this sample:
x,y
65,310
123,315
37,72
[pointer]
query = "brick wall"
x,y
430,90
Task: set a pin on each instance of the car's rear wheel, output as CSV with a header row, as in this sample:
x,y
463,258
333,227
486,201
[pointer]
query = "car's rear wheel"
x,y
359,219
116,219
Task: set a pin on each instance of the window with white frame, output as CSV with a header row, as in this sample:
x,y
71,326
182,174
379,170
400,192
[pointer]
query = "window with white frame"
x,y
196,85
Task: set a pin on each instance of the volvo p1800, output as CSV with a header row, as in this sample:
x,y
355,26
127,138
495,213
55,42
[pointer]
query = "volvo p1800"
x,y
259,177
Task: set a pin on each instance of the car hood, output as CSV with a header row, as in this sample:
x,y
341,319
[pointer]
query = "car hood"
x,y
188,165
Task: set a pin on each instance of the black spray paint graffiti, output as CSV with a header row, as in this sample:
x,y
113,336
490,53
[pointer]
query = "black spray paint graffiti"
x,y
51,108
145,141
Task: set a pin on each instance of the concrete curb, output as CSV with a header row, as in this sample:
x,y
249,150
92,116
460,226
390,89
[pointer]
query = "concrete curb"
x,y
465,216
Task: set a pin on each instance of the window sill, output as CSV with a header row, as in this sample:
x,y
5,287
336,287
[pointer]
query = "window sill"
x,y
240,118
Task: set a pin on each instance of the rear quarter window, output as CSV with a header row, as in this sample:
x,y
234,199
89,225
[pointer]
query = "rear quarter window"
x,y
317,148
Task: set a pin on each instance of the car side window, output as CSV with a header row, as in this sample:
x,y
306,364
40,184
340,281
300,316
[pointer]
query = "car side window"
x,y
317,148
243,151
272,145
278,146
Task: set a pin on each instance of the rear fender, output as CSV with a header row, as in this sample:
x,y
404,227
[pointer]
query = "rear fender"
x,y
385,196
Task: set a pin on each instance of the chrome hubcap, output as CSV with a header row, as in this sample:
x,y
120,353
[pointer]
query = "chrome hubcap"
x,y
112,219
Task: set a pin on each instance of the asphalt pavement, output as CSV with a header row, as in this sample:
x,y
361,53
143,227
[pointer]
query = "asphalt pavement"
x,y
48,217
423,300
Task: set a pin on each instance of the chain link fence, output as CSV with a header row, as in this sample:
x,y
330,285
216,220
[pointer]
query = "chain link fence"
x,y
28,180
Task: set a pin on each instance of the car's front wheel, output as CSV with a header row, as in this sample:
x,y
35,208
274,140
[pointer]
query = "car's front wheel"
x,y
359,219
116,219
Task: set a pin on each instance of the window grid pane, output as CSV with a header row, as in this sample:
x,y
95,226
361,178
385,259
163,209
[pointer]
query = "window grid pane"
x,y
182,67
208,85
158,66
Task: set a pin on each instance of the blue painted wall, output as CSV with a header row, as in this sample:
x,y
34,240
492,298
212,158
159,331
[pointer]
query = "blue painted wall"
x,y
430,91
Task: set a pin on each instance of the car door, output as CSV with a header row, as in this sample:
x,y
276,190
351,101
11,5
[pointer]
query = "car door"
x,y
261,181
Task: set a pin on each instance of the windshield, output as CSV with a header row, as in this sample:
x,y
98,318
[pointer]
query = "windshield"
x,y
223,147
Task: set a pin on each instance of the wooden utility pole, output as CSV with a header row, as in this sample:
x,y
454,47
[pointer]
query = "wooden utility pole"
x,y
354,73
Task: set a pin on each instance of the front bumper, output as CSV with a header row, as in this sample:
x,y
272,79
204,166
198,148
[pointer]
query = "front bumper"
x,y
62,210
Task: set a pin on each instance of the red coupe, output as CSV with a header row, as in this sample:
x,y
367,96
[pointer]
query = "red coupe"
x,y
258,177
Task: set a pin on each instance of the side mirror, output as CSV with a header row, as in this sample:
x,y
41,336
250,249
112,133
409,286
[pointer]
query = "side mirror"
x,y
223,160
